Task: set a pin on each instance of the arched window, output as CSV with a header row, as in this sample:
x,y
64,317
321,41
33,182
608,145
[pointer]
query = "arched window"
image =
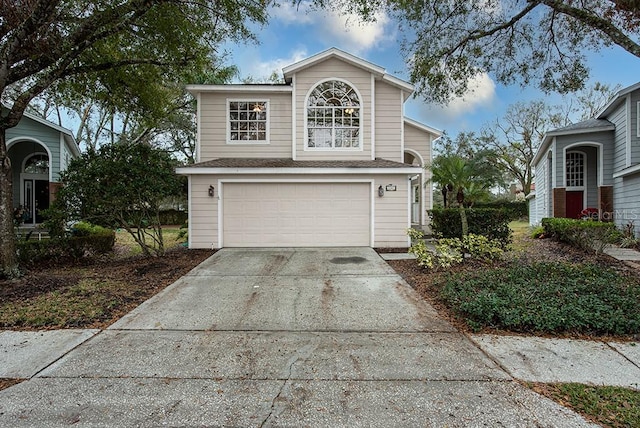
x,y
37,164
575,169
333,116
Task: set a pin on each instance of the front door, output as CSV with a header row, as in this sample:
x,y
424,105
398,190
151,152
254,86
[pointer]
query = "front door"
x,y
575,200
35,200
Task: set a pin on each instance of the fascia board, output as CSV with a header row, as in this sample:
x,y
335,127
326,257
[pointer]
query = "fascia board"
x,y
297,171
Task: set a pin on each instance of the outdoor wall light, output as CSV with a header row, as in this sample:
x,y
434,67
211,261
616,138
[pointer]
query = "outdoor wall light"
x,y
212,191
380,191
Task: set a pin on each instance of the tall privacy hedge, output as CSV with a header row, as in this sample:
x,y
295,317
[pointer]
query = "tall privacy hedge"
x,y
514,210
489,222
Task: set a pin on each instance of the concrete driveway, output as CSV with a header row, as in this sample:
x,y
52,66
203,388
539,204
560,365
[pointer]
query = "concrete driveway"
x,y
286,337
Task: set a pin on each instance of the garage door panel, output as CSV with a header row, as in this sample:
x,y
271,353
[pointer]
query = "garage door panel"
x,y
296,214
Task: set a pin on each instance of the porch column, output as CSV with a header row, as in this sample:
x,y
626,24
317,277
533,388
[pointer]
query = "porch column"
x,y
559,208
605,203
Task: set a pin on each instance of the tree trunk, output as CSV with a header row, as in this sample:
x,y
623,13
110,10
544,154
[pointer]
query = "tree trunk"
x,y
8,259
463,220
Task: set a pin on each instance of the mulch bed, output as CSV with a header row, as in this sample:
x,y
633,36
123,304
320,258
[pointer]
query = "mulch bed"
x,y
147,276
530,251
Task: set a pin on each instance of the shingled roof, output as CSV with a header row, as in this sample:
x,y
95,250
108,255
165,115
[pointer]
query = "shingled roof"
x,y
290,163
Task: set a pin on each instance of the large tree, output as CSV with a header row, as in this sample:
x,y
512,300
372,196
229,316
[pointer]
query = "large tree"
x,y
541,42
106,44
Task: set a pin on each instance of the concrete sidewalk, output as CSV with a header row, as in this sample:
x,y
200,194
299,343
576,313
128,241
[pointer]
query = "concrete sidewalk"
x,y
300,337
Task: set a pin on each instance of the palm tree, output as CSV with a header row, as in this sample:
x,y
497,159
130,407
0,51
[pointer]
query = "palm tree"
x,y
467,179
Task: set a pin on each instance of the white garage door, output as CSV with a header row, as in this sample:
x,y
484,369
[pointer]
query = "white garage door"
x,y
296,214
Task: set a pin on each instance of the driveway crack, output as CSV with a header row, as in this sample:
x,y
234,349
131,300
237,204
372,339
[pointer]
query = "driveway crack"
x,y
301,354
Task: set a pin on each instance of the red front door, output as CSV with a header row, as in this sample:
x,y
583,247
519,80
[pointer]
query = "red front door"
x,y
575,200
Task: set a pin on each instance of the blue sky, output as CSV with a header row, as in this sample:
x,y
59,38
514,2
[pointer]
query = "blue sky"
x,y
293,35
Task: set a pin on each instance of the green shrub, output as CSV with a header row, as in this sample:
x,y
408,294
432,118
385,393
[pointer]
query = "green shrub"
x,y
451,251
85,240
513,210
547,298
589,235
489,222
537,232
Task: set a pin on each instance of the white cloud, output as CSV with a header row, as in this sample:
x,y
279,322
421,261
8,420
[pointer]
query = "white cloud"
x,y
261,70
350,33
288,13
459,114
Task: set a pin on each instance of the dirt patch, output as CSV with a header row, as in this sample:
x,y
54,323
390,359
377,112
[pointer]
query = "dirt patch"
x,y
6,383
94,293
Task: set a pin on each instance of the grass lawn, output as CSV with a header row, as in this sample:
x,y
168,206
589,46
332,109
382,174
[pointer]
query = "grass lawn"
x,y
129,247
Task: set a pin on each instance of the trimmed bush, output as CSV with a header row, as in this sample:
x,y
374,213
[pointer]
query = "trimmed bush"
x,y
85,240
514,210
489,222
589,235
547,298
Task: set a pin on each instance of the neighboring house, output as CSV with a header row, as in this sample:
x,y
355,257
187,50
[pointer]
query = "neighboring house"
x,y
39,150
592,168
325,159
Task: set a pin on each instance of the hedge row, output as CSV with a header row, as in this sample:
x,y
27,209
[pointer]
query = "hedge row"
x,y
588,235
514,210
489,222
90,240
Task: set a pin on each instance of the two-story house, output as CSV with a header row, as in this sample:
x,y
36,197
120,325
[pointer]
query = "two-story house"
x,y
325,159
592,168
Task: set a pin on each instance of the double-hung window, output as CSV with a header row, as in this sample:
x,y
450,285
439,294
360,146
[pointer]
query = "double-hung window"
x,y
248,121
333,113
575,169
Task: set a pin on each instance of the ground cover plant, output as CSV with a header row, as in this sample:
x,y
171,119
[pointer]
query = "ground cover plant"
x,y
575,274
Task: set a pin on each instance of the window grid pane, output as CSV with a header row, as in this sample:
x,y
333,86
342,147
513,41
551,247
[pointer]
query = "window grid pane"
x,y
247,121
333,116
575,169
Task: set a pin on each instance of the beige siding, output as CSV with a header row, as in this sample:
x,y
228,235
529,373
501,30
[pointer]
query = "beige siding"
x,y
203,212
390,212
389,122
213,127
306,79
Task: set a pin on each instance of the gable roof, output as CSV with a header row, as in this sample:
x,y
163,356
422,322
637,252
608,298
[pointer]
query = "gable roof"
x,y
67,134
376,70
616,99
423,127
586,126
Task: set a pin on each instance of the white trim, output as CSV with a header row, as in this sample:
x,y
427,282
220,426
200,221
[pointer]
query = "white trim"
x,y
585,175
638,119
416,155
266,88
61,163
294,120
330,53
190,210
288,171
627,171
614,100
267,104
423,194
600,163
422,127
372,217
628,130
198,127
409,207
554,166
222,181
373,117
220,216
305,142
17,140
402,126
